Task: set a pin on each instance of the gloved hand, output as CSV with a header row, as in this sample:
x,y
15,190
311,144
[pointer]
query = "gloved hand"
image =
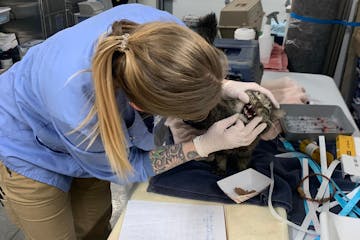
x,y
181,131
235,89
228,133
272,133
286,90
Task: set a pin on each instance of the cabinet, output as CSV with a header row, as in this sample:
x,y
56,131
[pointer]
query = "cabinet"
x,y
30,19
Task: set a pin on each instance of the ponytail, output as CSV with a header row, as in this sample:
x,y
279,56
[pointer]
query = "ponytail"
x,y
109,120
109,123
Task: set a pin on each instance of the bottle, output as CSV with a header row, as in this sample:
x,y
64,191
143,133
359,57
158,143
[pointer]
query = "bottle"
x,y
313,150
266,41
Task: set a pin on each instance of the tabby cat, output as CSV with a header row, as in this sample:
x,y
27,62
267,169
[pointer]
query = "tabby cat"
x,y
239,159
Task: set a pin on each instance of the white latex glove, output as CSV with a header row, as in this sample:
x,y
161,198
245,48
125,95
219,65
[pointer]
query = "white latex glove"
x,y
272,133
228,133
235,89
181,131
286,90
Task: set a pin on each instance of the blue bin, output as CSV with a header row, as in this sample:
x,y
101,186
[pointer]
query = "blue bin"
x,y
243,57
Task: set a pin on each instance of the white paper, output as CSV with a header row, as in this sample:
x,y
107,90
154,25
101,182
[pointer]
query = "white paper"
x,y
147,220
335,227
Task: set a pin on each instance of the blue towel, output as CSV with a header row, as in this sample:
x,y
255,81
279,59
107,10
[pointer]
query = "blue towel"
x,y
197,180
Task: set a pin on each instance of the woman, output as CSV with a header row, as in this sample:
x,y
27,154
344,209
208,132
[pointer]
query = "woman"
x,y
74,116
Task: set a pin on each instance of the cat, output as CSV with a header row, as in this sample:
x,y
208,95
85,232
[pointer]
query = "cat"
x,y
238,159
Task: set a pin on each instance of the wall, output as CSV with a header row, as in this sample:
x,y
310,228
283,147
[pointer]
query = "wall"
x,y
202,7
147,2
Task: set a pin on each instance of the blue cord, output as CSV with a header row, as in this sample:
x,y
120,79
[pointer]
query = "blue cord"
x,y
324,21
348,205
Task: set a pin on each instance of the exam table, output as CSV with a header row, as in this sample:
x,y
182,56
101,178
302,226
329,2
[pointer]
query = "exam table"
x,y
245,221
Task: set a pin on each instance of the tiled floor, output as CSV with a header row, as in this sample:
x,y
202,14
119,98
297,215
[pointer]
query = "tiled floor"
x,y
119,198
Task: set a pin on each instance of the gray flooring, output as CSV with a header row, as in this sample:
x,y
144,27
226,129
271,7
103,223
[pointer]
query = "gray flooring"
x,y
7,230
119,197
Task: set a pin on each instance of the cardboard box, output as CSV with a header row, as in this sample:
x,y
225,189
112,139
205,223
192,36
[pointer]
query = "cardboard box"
x,y
347,145
348,151
351,166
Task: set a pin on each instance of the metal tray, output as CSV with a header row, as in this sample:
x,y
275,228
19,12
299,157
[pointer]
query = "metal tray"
x,y
310,121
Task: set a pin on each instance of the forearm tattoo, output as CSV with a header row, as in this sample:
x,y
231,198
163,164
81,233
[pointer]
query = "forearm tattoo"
x,y
167,157
192,155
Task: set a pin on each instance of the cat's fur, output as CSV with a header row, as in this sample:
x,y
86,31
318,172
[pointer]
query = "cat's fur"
x,y
259,105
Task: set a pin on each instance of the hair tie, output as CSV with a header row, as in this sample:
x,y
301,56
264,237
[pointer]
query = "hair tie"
x,y
124,42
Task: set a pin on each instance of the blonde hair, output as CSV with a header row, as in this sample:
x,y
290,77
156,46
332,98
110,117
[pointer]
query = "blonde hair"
x,y
163,68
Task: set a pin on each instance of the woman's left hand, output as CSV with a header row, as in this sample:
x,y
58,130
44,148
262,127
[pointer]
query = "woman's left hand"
x,y
235,89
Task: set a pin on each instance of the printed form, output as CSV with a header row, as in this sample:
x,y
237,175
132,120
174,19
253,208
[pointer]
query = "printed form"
x,y
146,220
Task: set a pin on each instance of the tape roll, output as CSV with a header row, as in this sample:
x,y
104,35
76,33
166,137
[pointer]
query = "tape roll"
x,y
244,34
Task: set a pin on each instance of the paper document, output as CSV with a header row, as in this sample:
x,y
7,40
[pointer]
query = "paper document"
x,y
335,227
146,220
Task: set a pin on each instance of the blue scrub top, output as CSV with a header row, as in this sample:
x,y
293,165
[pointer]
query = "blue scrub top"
x,y
40,103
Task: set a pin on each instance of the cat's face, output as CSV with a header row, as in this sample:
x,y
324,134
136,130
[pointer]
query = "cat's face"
x,y
259,105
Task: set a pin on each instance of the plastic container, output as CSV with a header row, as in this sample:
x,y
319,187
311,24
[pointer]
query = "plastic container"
x,y
313,150
266,42
244,34
243,58
4,14
303,121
